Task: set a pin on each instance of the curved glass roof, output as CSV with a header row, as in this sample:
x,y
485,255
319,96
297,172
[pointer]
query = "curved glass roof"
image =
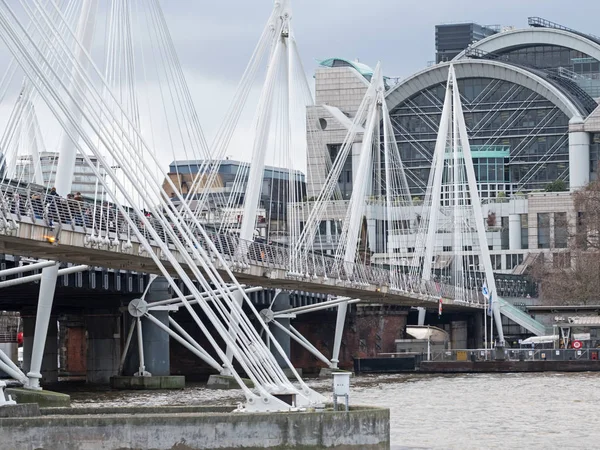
x,y
361,68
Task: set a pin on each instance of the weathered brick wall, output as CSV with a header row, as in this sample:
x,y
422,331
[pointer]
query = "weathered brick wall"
x,y
368,331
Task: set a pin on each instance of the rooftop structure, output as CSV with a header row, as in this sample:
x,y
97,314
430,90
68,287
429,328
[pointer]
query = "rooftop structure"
x,y
451,39
227,194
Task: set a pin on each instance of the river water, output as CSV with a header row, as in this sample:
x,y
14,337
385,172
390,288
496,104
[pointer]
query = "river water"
x,y
483,411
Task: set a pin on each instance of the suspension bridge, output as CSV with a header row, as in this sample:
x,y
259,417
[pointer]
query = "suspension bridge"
x,y
112,137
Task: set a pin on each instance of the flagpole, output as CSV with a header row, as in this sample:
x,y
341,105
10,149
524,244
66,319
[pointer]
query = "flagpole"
x,y
485,325
491,321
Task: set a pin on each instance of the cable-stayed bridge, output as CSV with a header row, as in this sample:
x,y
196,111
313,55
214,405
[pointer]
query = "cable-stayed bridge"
x,y
140,219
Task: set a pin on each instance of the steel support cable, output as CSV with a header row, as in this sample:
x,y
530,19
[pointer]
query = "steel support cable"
x,y
352,225
163,102
13,66
175,64
7,27
264,120
141,238
223,136
243,176
391,152
317,212
331,181
24,103
298,78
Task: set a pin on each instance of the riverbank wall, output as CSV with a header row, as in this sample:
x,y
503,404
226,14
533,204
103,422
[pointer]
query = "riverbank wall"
x,y
196,428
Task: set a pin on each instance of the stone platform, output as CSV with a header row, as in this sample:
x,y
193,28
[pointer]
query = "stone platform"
x,y
148,383
225,382
20,410
42,397
197,428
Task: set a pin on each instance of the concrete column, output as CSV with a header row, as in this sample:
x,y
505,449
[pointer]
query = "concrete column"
x,y
458,334
155,341
103,347
281,302
475,338
579,154
328,231
421,316
49,367
50,358
514,232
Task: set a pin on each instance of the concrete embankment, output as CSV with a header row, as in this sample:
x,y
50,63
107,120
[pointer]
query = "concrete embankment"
x,y
191,428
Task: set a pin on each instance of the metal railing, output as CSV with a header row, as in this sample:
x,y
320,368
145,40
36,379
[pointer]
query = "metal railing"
x,y
104,220
516,354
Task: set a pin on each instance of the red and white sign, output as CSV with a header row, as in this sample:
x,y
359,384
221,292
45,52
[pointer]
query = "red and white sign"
x,y
577,345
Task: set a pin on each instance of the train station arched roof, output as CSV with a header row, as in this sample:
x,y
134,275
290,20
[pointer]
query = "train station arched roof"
x,y
483,68
528,37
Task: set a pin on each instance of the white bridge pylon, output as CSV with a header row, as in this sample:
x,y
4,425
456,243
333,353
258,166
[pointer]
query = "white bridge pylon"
x,y
451,244
380,193
96,123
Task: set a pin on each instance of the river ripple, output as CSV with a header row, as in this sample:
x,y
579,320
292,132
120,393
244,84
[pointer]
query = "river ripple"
x,y
485,411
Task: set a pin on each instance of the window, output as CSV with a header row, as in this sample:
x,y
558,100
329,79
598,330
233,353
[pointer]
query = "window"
x,y
447,248
496,262
513,260
543,223
504,233
524,231
560,230
561,260
410,250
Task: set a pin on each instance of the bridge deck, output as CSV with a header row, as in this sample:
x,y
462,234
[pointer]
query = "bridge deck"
x,y
30,239
27,221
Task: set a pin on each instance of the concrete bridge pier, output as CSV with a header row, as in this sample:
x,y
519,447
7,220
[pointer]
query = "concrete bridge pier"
x,y
155,345
458,334
476,331
49,369
103,347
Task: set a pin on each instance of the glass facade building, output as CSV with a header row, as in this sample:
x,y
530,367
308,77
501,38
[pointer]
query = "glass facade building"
x,y
451,39
519,138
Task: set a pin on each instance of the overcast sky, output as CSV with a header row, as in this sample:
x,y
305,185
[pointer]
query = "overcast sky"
x,y
215,38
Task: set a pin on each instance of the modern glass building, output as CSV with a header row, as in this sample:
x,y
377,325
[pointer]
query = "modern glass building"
x,y
84,180
532,119
451,39
523,92
230,185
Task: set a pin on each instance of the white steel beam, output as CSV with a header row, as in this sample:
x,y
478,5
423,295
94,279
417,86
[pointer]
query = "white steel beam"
x,y
38,277
26,268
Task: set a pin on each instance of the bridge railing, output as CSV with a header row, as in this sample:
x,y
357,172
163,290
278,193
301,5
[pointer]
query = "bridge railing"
x,y
105,221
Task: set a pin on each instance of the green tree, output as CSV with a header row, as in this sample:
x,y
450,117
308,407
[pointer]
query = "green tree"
x,y
573,276
557,186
